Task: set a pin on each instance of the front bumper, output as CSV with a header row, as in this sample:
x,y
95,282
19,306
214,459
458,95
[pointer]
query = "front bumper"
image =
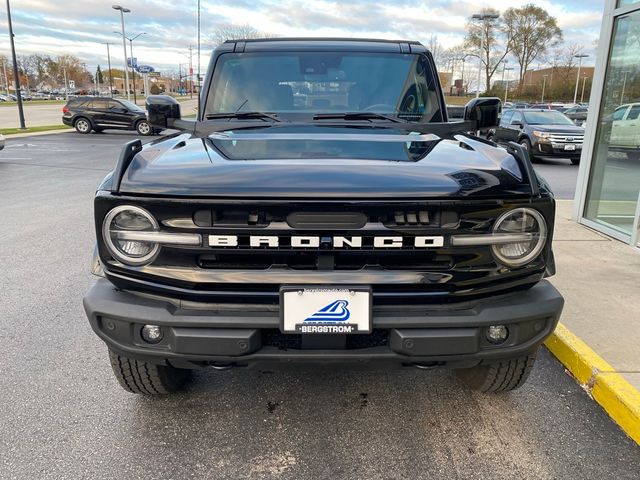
x,y
557,149
221,334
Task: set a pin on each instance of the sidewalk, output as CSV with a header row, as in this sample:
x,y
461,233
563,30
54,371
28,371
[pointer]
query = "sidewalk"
x,y
600,280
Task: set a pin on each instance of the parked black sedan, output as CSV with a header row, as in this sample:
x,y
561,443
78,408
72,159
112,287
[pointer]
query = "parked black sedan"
x,y
543,133
95,113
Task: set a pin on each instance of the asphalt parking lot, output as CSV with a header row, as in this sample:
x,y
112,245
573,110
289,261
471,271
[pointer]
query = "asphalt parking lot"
x,y
64,416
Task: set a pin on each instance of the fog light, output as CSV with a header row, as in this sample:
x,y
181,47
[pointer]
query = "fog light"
x,y
152,333
497,334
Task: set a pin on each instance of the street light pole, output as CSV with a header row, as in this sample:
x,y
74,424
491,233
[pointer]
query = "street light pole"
x,y
584,81
544,84
483,17
6,79
16,74
580,56
109,60
198,55
624,85
506,85
124,46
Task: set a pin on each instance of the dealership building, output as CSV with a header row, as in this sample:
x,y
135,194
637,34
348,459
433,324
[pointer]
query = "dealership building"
x,y
608,190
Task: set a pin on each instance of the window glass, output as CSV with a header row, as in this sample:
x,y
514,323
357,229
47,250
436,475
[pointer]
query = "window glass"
x,y
614,177
619,113
506,118
317,82
624,3
101,104
550,117
633,113
517,117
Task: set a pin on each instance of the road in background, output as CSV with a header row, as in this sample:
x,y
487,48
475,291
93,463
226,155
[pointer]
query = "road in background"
x,y
65,416
51,114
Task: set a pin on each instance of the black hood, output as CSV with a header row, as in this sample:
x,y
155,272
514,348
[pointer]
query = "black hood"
x,y
569,129
322,163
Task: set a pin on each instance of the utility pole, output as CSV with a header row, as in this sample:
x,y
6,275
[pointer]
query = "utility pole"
x,y
580,56
16,74
66,85
109,60
483,17
124,47
190,71
584,81
6,79
198,55
544,84
506,85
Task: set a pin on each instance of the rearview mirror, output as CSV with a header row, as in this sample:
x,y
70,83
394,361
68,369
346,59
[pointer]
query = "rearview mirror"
x,y
162,110
485,112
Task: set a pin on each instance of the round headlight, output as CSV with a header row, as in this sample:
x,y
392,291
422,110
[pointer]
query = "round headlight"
x,y
530,226
129,219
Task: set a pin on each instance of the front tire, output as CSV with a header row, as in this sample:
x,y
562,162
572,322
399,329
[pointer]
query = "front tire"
x,y
145,378
501,376
526,144
82,125
143,128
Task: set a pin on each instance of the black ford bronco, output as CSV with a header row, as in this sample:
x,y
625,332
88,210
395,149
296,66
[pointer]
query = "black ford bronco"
x,y
322,209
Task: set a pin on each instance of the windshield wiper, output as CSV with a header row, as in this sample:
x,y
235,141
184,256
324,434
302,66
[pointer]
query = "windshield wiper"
x,y
243,115
357,116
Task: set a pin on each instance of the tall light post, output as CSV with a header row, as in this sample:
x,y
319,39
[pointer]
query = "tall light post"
x,y
124,46
16,74
483,17
584,81
198,55
6,79
624,85
133,68
544,84
506,85
109,61
579,56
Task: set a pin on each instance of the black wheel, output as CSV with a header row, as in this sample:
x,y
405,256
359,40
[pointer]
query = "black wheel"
x,y
82,125
144,378
575,161
143,128
527,146
501,376
491,137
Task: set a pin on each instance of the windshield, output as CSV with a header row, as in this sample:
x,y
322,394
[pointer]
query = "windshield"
x,y
325,82
131,106
547,118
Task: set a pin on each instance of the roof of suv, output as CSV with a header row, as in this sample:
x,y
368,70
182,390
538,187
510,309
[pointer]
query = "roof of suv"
x,y
344,44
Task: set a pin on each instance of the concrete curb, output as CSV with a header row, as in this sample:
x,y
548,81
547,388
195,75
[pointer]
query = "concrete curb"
x,y
607,387
44,132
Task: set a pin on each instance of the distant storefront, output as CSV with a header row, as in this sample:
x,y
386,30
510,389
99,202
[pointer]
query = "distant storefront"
x,y
609,178
607,197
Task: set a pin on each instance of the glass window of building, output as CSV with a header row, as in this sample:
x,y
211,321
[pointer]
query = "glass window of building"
x,y
614,181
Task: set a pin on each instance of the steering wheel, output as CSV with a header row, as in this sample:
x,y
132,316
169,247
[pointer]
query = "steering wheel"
x,y
385,107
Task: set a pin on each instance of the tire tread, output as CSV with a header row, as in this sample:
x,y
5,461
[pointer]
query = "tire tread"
x,y
145,378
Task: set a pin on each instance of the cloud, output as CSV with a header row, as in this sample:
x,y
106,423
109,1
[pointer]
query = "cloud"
x,y
81,28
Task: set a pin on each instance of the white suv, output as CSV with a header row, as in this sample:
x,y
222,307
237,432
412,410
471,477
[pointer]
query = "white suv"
x,y
625,129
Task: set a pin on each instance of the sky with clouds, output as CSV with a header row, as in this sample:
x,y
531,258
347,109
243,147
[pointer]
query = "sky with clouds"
x,y
81,27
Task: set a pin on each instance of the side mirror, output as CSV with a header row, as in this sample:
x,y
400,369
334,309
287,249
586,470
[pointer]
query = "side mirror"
x,y
485,112
162,110
516,123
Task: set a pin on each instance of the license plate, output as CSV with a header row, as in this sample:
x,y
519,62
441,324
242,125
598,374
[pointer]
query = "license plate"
x,y
570,147
325,310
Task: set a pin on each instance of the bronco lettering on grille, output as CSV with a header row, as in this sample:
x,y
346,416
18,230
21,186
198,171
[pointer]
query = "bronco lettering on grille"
x,y
272,241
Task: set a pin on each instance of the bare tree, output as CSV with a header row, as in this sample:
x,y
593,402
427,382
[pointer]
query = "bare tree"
x,y
496,37
534,33
230,31
436,49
